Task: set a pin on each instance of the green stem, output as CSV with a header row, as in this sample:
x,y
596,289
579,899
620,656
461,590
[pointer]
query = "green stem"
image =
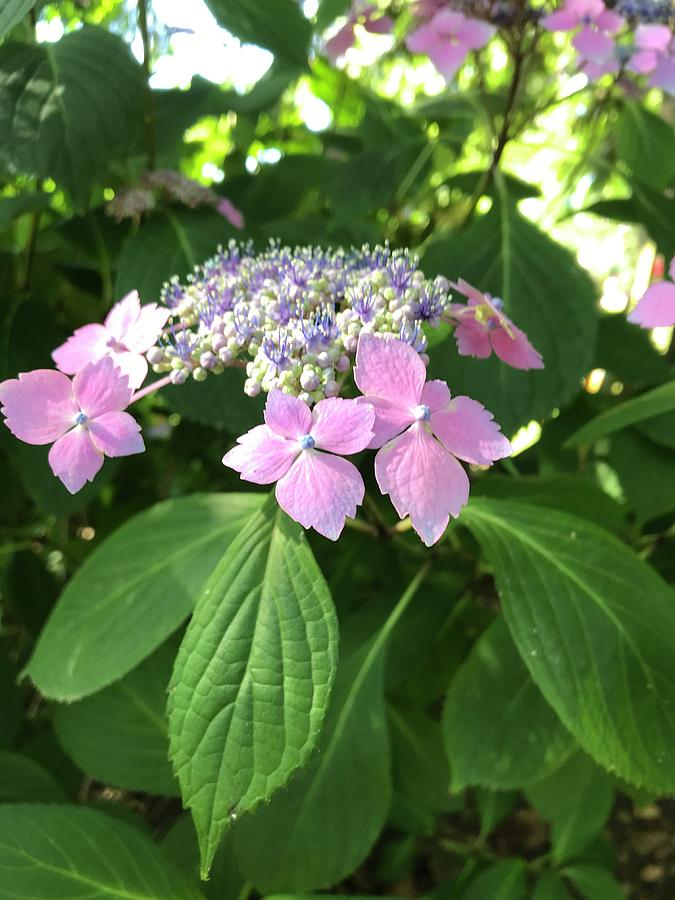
x,y
363,527
401,606
150,127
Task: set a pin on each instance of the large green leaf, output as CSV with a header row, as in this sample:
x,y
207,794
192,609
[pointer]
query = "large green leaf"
x,y
253,675
593,882
646,473
12,12
501,881
494,703
68,109
23,780
595,626
544,292
654,403
120,735
64,852
646,143
219,401
277,25
133,592
577,800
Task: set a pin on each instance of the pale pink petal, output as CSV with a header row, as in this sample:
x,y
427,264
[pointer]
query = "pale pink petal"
x,y
590,9
261,456
663,75
100,388
478,297
390,370
423,39
561,20
123,315
653,37
143,333
423,480
382,25
472,339
341,42
87,344
610,21
39,406
320,491
643,62
389,421
593,44
287,415
436,395
116,434
342,426
475,34
515,349
593,70
133,366
671,268
657,307
448,58
234,216
74,459
469,431
447,22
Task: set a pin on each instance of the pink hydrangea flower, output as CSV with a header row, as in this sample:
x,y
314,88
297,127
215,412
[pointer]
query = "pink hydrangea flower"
x,y
82,418
657,306
595,23
422,432
655,56
367,15
226,208
482,327
319,490
127,333
447,39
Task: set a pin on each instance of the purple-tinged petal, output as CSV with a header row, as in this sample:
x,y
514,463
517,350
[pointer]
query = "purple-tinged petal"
x,y
448,58
671,268
474,34
594,71
653,37
586,9
436,395
100,388
116,434
85,345
320,491
381,25
132,366
515,349
233,215
123,315
261,455
390,370
389,421
593,45
472,338
422,40
469,431
561,20
338,45
143,333
610,21
643,62
447,22
476,297
423,480
657,308
663,75
342,426
287,415
74,459
38,406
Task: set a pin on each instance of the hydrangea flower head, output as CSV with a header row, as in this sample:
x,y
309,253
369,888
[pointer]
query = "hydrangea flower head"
x,y
83,419
302,450
447,39
657,306
595,23
482,327
422,432
128,332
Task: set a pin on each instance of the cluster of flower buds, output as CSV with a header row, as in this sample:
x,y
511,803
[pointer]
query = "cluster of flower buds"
x,y
293,318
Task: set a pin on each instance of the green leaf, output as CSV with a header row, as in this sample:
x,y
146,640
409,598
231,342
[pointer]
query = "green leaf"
x,y
11,712
133,592
120,735
13,207
577,800
627,353
550,886
646,472
277,25
253,675
502,881
651,209
594,883
171,242
654,403
68,109
219,401
65,852
22,779
646,143
493,703
602,661
545,293
12,12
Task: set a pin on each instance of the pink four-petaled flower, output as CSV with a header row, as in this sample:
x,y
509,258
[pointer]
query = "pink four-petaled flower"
x,y
319,490
422,432
595,23
128,332
657,306
655,55
83,419
482,327
447,39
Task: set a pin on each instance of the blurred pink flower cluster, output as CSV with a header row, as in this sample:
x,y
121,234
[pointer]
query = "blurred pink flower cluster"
x,y
447,37
656,308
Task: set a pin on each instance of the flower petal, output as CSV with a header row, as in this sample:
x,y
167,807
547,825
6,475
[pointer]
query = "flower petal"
x,y
472,338
85,345
652,37
133,366
389,421
657,307
423,39
233,215
423,480
643,62
436,395
561,20
515,349
475,34
74,459
123,315
478,297
671,268
143,333
340,42
116,434
593,44
320,491
663,75
39,406
390,370
261,455
610,21
287,415
469,431
448,58
100,388
342,426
